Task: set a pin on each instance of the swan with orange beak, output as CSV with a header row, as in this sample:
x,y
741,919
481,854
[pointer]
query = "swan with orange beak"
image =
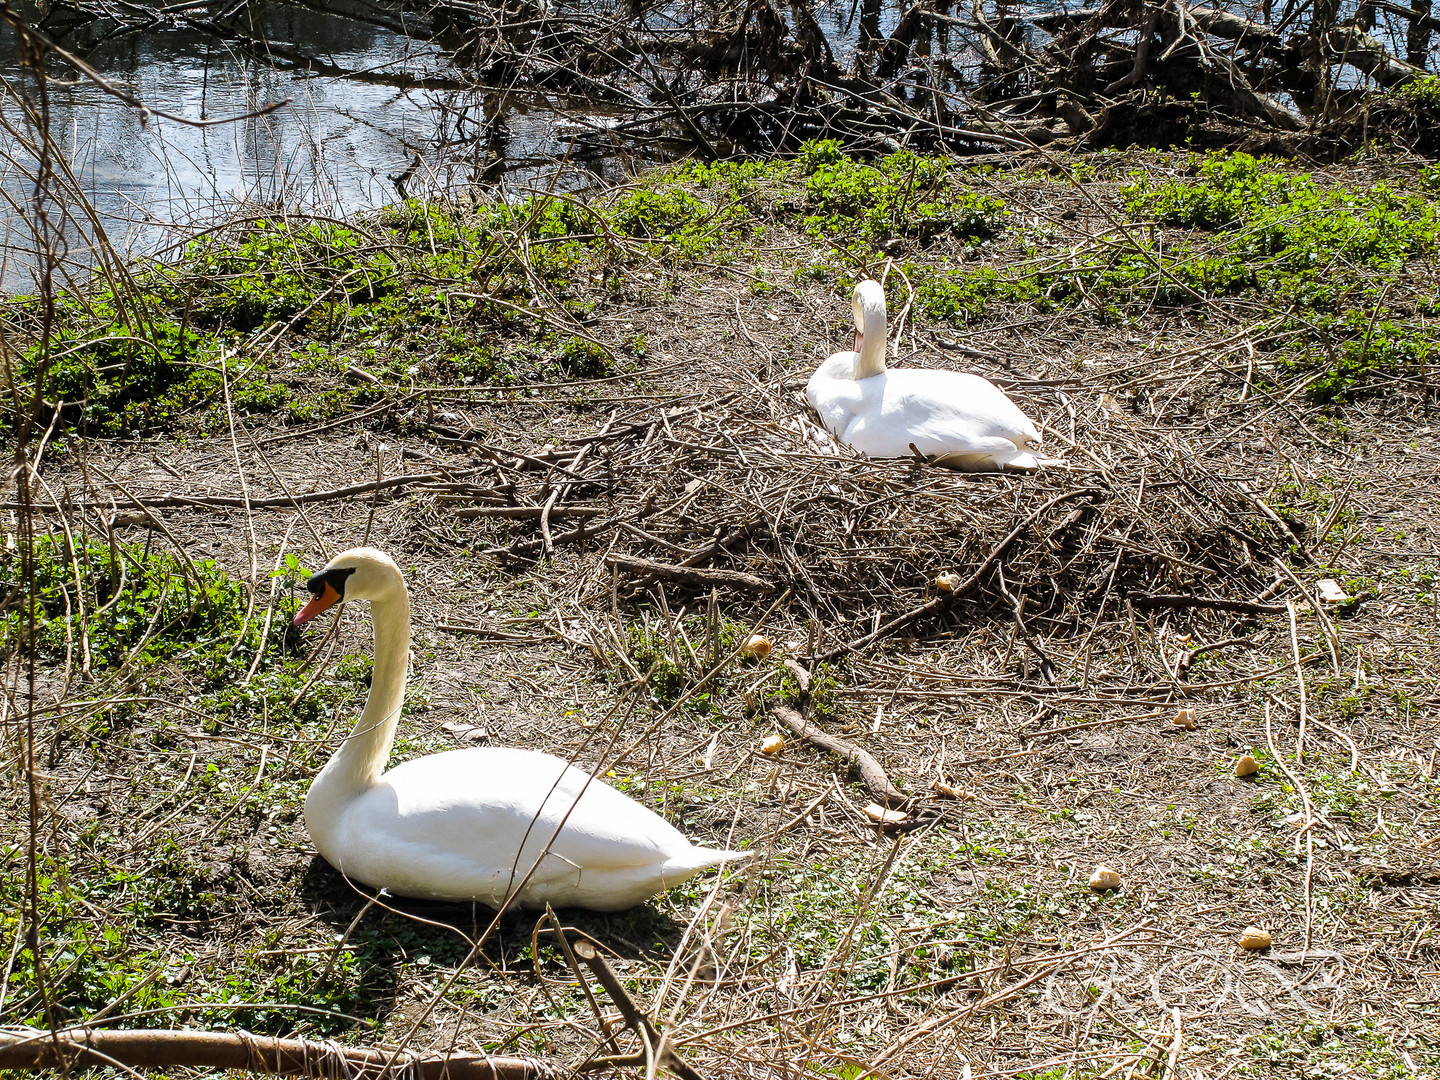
x,y
490,824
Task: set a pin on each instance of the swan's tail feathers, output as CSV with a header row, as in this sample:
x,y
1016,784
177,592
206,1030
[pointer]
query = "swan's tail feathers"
x,y
1022,459
699,858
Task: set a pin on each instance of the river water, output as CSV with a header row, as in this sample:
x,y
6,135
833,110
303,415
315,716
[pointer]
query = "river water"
x,y
339,146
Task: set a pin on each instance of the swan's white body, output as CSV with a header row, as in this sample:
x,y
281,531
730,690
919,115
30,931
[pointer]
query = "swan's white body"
x,y
957,419
474,824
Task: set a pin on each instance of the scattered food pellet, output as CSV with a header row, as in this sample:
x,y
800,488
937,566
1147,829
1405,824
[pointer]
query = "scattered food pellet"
x,y
1185,718
876,812
1246,766
1254,938
947,582
772,744
1330,591
1104,879
757,647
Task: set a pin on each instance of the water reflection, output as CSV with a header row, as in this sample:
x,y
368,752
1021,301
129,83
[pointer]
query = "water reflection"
x,y
340,145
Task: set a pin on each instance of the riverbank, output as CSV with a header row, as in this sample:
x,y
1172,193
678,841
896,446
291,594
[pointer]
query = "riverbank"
x,y
1232,358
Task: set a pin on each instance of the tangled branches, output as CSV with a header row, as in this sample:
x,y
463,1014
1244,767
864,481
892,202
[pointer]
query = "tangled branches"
x,y
764,76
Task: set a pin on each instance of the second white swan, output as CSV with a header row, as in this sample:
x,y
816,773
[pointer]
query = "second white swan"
x,y
483,824
954,418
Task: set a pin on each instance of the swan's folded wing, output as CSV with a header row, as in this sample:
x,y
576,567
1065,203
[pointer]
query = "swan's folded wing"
x,y
955,409
468,823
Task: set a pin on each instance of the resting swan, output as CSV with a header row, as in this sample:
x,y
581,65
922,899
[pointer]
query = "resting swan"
x,y
470,824
957,419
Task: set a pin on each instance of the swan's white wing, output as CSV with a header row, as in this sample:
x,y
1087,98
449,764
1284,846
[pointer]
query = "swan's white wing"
x,y
943,403
942,413
469,823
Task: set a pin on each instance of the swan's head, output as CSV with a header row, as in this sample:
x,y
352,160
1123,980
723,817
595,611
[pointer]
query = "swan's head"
x,y
868,304
357,574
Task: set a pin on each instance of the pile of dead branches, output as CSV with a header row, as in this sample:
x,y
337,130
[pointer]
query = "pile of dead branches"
x,y
747,498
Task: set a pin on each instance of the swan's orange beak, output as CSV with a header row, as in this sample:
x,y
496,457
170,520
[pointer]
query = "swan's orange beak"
x,y
326,598
859,340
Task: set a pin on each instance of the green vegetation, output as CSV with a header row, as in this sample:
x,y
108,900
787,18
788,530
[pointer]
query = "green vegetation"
x,y
824,914
424,295
432,295
1336,258
674,654
143,617
1331,254
902,194
112,942
136,621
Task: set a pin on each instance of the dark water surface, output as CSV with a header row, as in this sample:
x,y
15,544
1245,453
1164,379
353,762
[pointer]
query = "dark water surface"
x,y
341,145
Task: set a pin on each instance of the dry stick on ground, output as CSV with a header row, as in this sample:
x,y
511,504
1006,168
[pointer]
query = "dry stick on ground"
x,y
1307,828
940,603
522,512
642,1025
270,503
690,575
1175,600
870,770
158,1049
583,532
1017,605
707,551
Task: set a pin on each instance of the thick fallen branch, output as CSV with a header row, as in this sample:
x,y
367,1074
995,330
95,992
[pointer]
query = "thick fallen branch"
x,y
690,575
638,1021
1368,54
272,502
31,1048
872,774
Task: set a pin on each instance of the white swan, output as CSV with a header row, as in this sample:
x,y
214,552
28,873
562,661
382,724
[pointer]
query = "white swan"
x,y
957,419
471,824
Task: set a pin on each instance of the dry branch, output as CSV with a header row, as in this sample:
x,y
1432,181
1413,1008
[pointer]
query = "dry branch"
x,y
690,575
590,956
273,502
945,600
22,1048
872,774
525,512
1173,600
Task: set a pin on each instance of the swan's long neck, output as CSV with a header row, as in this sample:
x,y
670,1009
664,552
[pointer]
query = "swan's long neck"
x,y
357,765
872,341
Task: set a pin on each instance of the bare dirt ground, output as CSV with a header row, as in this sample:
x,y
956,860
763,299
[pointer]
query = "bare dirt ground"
x,y
1172,560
